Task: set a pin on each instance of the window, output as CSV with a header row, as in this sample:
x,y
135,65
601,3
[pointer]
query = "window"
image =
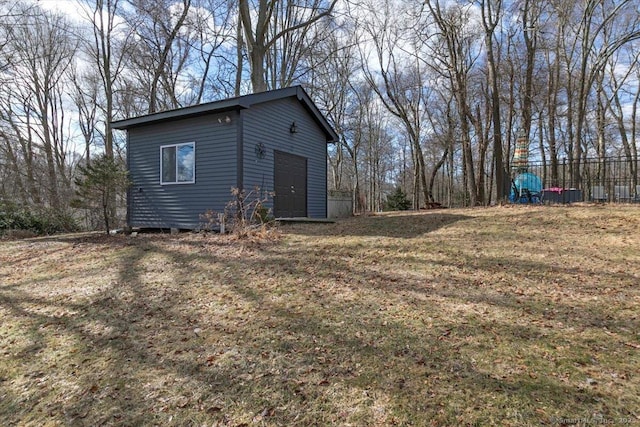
x,y
178,163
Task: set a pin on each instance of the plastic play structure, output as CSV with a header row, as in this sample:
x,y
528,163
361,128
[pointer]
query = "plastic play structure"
x,y
525,186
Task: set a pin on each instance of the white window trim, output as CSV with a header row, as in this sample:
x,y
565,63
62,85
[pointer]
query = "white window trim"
x,y
193,181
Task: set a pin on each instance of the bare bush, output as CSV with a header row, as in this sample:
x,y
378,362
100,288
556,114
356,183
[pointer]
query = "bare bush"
x,y
247,216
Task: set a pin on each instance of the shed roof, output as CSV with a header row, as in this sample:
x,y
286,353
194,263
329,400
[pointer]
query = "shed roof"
x,y
230,104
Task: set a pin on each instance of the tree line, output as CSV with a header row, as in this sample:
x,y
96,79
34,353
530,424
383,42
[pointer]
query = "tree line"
x,y
417,91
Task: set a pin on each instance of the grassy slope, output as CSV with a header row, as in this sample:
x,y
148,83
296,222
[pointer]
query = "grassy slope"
x,y
502,316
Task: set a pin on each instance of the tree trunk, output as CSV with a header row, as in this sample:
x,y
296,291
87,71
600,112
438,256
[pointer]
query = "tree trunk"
x,y
256,58
490,19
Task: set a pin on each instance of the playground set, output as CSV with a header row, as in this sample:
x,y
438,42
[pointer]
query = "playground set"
x,y
610,179
526,187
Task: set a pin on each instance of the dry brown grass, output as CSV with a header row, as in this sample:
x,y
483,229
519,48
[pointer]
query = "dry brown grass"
x,y
503,316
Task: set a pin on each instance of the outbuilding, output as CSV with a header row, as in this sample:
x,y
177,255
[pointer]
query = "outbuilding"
x,y
185,162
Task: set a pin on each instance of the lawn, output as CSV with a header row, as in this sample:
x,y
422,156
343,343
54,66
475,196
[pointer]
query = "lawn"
x,y
501,316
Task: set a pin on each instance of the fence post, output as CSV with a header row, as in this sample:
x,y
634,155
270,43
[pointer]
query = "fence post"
x,y
221,221
604,179
564,180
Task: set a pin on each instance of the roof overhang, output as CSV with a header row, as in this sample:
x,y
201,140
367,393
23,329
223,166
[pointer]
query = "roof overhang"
x,y
181,113
233,104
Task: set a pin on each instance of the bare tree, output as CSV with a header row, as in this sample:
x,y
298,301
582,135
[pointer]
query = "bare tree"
x,y
33,133
8,12
491,15
269,22
367,143
594,48
210,71
456,58
108,49
33,101
634,129
553,65
85,91
443,124
617,100
396,72
331,85
161,51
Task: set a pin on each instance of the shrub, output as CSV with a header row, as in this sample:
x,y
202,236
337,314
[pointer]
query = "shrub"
x,y
245,216
98,185
37,220
398,201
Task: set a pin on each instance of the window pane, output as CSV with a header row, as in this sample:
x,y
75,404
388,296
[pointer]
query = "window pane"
x,y
186,163
169,164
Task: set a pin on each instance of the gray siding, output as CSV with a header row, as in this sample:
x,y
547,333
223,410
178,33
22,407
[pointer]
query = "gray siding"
x,y
269,124
179,205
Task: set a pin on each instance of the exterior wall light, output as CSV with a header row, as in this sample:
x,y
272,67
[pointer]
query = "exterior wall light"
x,y
293,128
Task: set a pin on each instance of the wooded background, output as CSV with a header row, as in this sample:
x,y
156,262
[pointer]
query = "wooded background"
x,y
413,88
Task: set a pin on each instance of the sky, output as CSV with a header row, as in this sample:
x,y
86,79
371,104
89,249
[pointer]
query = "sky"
x,y
70,8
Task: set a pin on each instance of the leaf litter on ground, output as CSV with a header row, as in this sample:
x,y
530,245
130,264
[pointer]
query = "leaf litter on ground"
x,y
498,316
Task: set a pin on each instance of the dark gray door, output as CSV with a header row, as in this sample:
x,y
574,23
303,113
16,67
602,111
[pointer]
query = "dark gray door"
x,y
290,184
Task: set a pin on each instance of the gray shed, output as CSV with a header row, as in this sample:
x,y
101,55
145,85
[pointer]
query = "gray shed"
x,y
185,162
